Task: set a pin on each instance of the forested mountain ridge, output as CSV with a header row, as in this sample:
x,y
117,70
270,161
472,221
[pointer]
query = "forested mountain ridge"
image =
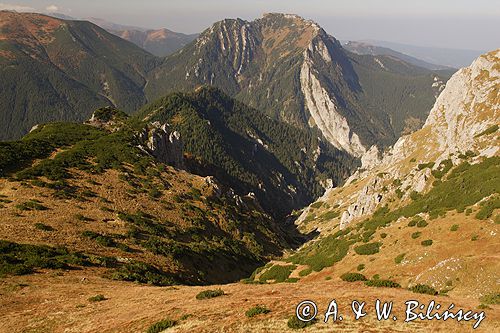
x,y
367,48
285,167
56,70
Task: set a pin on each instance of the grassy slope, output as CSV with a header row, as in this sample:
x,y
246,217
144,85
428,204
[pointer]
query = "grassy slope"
x,y
133,308
94,192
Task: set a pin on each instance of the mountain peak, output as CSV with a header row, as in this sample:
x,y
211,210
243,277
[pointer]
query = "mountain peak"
x,y
291,68
288,21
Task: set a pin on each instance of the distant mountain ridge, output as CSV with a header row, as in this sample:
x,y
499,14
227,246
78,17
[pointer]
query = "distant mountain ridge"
x,y
365,48
286,66
456,58
160,42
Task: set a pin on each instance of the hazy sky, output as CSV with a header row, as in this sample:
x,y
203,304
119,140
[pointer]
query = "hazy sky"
x,y
467,24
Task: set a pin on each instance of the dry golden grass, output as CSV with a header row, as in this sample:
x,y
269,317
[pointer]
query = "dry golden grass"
x,y
58,302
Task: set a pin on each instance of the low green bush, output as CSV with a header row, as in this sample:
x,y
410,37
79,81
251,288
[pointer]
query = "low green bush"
x,y
454,227
414,195
368,249
415,221
155,193
427,242
100,239
323,253
292,280
83,218
97,298
277,273
330,215
399,258
424,289
142,273
423,166
43,227
353,277
490,130
360,267
416,235
422,224
295,323
488,207
442,169
317,204
493,298
161,325
305,272
21,259
251,281
256,310
31,205
382,283
207,294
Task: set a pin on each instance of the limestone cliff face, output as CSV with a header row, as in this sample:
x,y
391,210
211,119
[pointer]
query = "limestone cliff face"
x,y
321,103
235,41
162,143
466,109
468,105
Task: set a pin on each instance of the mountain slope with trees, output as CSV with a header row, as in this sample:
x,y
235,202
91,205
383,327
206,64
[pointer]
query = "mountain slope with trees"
x,y
283,166
56,70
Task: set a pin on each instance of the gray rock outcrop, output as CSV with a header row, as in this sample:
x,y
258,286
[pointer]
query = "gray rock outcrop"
x,y
163,143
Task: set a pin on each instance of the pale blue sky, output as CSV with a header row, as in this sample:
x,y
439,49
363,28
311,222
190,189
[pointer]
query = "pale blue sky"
x,y
465,24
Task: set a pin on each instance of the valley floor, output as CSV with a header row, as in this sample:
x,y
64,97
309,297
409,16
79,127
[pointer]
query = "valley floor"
x,y
57,301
